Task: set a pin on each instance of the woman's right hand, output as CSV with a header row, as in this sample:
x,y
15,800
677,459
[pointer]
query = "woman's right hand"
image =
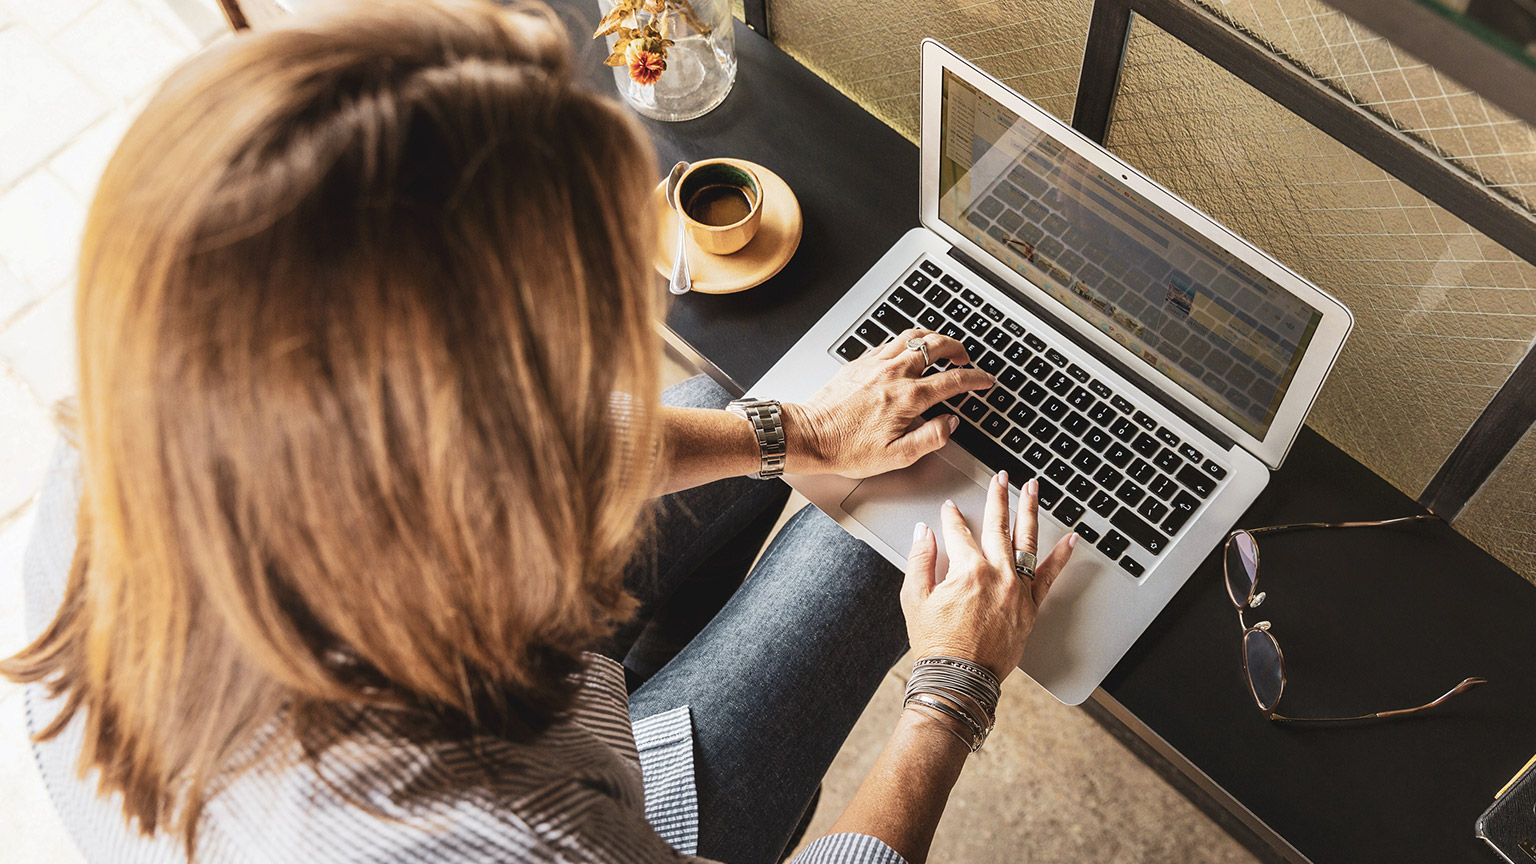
x,y
981,611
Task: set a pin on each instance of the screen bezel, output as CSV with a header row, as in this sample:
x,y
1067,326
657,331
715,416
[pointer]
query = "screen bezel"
x,y
1320,354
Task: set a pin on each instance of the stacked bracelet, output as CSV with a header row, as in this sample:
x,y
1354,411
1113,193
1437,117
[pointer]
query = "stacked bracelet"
x,y
957,693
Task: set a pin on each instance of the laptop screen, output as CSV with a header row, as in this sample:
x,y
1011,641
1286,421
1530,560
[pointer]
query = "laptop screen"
x,y
1186,307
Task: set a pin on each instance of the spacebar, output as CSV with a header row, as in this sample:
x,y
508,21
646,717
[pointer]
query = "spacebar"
x,y
988,451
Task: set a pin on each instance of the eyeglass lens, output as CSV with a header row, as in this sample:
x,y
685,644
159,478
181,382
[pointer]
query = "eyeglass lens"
x,y
1264,671
1242,567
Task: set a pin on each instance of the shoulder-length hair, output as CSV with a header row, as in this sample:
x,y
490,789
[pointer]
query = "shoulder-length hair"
x,y
356,298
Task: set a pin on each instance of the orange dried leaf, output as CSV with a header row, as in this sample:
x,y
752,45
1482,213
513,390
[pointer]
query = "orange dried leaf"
x,y
611,21
616,59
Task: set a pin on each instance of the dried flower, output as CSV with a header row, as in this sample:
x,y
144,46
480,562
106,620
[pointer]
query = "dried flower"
x,y
643,47
645,67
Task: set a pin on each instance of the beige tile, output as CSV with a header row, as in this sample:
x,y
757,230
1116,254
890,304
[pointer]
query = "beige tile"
x,y
119,48
15,296
26,440
40,224
80,164
48,16
40,348
43,104
189,22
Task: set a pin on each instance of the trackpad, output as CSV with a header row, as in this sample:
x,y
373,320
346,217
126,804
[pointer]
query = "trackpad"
x,y
890,504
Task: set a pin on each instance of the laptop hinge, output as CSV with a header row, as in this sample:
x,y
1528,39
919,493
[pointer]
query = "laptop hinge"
x,y
1070,333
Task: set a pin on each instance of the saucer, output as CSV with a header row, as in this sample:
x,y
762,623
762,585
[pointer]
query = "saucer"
x,y
753,264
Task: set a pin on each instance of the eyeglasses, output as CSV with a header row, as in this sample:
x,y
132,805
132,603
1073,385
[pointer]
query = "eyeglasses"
x,y
1262,660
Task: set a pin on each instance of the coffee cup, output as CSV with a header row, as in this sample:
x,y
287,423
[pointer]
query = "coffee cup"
x,y
721,205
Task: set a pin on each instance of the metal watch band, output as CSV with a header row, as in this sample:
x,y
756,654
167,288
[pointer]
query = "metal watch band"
x,y
767,420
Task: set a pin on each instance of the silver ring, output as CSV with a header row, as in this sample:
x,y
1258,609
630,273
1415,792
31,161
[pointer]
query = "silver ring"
x,y
920,345
1024,564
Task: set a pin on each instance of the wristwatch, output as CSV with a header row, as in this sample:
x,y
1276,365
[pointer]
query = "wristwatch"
x,y
767,420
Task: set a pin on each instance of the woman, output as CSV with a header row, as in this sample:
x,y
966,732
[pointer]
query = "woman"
x,y
369,438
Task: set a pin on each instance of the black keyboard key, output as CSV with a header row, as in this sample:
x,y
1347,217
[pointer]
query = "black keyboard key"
x,y
974,409
1015,440
957,310
1000,400
992,312
1033,393
1130,494
1059,384
1141,472
1049,494
1043,430
1124,429
892,320
1120,456
1130,565
1096,440
907,303
1145,420
871,332
1059,471
1086,462
990,452
1195,481
931,269
1065,445
1087,532
917,281
1184,507
1113,544
937,296
1163,487
1081,399
930,319
1167,437
950,282
1148,537
1021,415
1056,357
994,424
973,348
1068,511
970,296
1078,373
1038,368
1214,470
1010,378
1000,340
1100,389
1075,423
1108,477
1014,327
952,330
851,349
1122,404
1034,342
1037,455
990,363
1103,503
1152,509
1101,414
1017,354
1168,460
978,325
1145,444
1054,408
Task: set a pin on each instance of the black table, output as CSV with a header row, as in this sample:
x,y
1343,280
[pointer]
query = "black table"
x,y
1370,619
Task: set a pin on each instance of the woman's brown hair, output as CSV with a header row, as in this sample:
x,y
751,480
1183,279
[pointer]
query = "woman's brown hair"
x,y
367,365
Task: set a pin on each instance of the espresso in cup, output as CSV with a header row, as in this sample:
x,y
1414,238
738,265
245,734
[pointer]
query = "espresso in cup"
x,y
721,205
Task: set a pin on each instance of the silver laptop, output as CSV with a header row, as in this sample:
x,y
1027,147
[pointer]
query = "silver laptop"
x,y
1152,366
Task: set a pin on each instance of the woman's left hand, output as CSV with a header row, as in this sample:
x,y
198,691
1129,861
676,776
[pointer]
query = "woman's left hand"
x,y
861,423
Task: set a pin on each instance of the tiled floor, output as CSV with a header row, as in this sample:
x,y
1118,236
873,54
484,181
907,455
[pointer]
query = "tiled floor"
x,y
1050,786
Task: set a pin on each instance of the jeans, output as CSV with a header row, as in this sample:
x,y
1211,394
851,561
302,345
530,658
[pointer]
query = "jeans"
x,y
777,677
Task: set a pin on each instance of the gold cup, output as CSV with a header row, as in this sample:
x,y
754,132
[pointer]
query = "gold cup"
x,y
721,205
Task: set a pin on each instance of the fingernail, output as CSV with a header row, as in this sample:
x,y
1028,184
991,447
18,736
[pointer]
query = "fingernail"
x,y
954,421
919,531
1002,478
949,503
1032,487
1072,540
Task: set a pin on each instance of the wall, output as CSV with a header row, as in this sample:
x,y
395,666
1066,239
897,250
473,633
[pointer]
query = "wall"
x,y
1442,313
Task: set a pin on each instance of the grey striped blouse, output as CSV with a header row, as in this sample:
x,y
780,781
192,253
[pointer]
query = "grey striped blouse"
x,y
594,788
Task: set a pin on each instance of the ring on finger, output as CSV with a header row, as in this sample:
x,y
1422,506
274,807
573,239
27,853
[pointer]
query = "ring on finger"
x,y
919,345
1024,564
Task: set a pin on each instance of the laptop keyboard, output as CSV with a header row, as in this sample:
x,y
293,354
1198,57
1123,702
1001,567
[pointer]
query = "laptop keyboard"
x,y
1107,468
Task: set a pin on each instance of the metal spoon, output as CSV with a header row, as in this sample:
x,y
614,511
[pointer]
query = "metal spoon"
x,y
682,280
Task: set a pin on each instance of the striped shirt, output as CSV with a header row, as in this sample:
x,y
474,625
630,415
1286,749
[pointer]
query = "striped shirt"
x,y
593,788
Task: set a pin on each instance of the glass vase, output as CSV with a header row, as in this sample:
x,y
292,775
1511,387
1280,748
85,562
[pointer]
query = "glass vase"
x,y
700,62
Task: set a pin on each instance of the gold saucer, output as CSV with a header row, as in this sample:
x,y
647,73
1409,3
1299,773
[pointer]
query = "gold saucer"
x,y
755,263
